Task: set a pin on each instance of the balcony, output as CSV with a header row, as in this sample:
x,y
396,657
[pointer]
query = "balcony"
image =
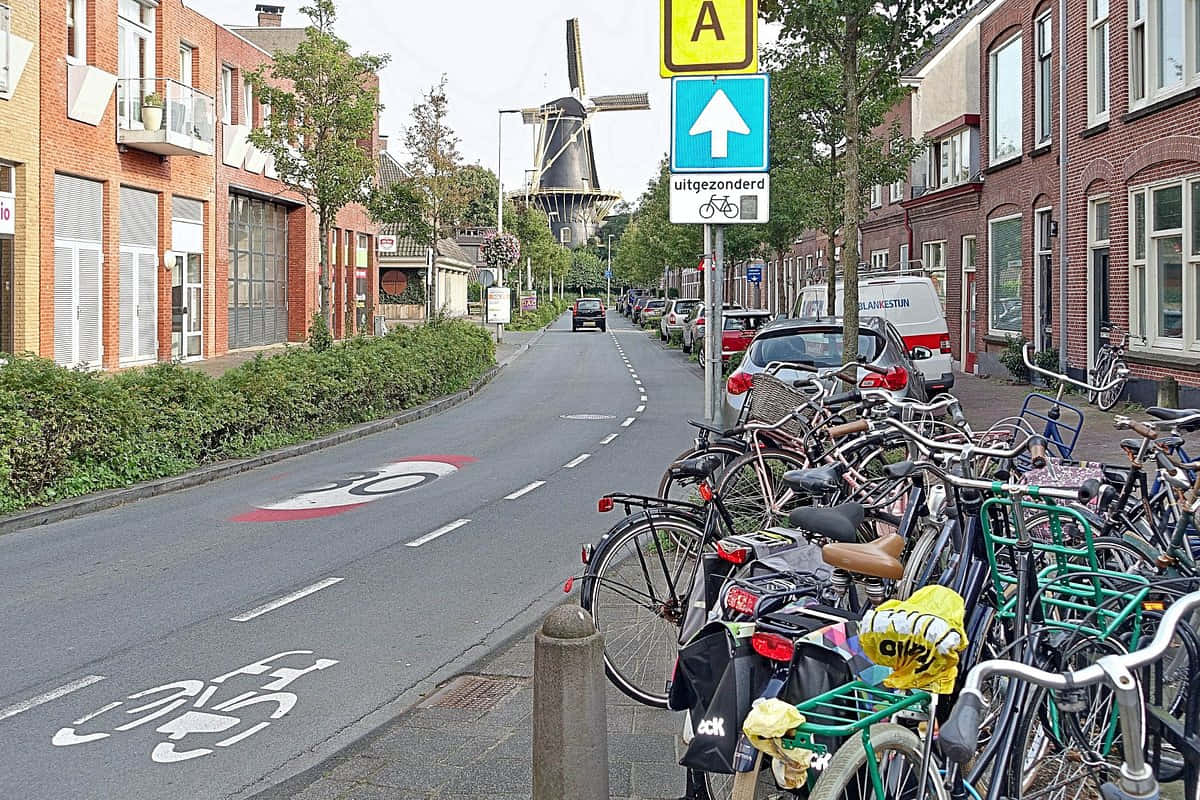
x,y
184,126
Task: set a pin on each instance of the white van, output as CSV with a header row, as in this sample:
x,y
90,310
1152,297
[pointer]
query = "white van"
x,y
910,303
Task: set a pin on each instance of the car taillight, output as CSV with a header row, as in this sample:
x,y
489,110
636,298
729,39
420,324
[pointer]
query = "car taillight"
x,y
741,601
670,319
895,380
734,554
605,505
772,646
739,383
944,345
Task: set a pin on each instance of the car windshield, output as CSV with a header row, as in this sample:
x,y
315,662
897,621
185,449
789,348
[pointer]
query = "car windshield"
x,y
589,305
656,304
751,323
683,308
821,348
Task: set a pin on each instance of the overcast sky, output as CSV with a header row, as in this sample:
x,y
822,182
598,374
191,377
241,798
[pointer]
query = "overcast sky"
x,y
505,54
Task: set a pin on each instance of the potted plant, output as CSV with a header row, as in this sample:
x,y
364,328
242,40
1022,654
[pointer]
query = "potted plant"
x,y
152,111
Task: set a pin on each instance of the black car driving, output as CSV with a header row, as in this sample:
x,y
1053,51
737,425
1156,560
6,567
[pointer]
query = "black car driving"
x,y
588,312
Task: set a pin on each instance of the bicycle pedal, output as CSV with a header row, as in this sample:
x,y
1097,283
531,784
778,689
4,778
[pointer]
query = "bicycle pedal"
x,y
1072,701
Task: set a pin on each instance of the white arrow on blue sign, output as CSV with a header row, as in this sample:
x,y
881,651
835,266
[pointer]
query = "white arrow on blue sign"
x,y
720,124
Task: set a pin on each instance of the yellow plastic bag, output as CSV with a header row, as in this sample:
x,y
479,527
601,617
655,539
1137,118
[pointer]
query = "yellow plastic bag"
x,y
919,638
766,725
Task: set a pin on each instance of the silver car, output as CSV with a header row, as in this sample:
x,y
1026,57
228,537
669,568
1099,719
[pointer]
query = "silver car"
x,y
673,317
818,343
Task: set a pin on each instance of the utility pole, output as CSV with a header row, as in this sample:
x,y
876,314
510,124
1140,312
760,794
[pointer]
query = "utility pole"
x,y
608,274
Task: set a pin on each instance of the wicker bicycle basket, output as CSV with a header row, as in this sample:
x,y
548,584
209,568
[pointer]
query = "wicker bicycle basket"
x,y
771,400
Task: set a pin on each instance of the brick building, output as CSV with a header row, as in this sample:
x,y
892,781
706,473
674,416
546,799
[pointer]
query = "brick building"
x,y
20,175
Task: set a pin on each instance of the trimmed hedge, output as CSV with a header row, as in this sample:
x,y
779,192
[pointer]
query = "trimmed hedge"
x,y
547,312
67,432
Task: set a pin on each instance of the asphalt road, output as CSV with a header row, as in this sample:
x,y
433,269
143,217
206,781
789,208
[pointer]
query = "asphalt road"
x,y
213,642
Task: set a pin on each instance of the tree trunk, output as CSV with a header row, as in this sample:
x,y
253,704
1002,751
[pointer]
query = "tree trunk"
x,y
323,278
851,202
830,275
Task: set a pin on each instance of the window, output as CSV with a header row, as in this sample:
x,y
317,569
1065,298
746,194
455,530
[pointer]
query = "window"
x,y
564,235
185,64
247,109
226,95
1004,134
1004,274
879,259
1164,275
897,191
1171,34
949,160
135,60
1044,77
904,258
1164,50
1097,61
76,31
1042,279
876,196
968,253
1137,50
1098,259
933,255
5,47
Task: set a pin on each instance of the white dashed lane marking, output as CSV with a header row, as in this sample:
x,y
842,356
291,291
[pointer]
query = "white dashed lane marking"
x,y
266,608
442,531
524,490
608,439
628,422
639,409
575,462
46,697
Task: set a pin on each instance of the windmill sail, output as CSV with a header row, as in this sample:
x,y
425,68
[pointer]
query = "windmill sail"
x,y
575,59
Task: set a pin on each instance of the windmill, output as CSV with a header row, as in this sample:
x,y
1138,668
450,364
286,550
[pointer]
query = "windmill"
x,y
564,183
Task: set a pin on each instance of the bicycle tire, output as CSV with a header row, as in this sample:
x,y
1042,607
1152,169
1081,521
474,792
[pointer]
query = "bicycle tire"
x,y
918,564
667,482
849,763
744,488
759,785
674,530
1101,368
1107,399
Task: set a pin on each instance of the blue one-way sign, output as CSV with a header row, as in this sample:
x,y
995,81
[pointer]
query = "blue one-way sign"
x,y
754,273
720,124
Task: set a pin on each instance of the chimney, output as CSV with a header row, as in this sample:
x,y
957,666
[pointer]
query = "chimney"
x,y
269,16
383,139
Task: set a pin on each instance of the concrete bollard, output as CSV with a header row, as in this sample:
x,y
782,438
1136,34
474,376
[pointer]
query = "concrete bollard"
x,y
570,723
1168,393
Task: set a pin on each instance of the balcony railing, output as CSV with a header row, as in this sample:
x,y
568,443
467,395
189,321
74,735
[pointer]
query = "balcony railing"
x,y
184,126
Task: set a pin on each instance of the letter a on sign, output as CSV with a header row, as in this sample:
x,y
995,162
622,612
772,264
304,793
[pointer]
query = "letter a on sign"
x,y
709,37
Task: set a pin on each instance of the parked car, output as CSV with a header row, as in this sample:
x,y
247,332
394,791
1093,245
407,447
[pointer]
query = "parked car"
x,y
739,329
588,312
909,302
626,303
674,315
818,342
693,326
650,311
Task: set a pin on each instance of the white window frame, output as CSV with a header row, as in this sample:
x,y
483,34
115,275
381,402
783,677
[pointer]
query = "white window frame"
x,y
1096,243
226,94
186,56
993,157
5,48
876,196
1043,74
932,267
897,193
1099,62
879,260
1144,310
247,109
1145,26
78,27
1042,246
904,257
991,275
968,267
949,160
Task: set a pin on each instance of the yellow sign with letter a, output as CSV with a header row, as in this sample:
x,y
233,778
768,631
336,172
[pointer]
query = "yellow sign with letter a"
x,y
708,37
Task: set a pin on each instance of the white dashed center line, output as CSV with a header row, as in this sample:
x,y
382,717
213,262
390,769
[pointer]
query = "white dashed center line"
x,y
628,422
266,608
442,531
608,439
576,461
639,409
46,697
524,490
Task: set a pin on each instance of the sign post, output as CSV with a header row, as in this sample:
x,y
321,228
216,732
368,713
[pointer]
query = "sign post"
x,y
707,284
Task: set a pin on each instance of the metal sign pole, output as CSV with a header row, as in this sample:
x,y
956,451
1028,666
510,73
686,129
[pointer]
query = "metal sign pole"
x,y
718,326
708,312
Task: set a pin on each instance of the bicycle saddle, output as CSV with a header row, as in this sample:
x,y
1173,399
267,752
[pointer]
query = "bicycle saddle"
x,y
713,429
1164,442
1171,414
702,467
839,523
877,559
815,480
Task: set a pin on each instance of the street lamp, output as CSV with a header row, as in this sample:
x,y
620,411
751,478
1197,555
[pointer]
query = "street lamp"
x,y
608,273
499,165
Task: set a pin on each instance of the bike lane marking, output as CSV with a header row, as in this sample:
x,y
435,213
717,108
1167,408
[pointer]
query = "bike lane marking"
x,y
575,462
524,490
46,697
442,531
266,608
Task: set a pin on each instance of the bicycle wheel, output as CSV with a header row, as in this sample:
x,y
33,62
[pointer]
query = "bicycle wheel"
x,y
753,491
1101,369
746,786
670,488
924,565
1116,372
636,591
898,753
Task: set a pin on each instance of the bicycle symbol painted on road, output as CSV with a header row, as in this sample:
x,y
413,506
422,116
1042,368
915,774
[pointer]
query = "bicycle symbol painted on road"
x,y
163,703
356,489
719,205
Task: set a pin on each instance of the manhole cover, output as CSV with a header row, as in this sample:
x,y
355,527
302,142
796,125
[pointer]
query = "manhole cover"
x,y
588,416
472,693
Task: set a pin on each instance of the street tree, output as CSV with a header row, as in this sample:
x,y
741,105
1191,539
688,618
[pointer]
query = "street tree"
x,y
323,104
434,169
872,44
481,187
531,226
586,272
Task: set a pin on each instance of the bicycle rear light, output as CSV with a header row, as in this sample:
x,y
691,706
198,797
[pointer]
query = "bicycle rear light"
x,y
773,646
740,600
734,554
706,492
605,505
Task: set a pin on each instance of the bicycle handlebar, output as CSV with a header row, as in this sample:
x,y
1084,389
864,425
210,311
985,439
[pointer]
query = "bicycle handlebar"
x,y
1028,348
965,450
946,403
960,734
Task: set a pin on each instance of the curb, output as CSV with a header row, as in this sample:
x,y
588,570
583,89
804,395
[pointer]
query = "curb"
x,y
100,501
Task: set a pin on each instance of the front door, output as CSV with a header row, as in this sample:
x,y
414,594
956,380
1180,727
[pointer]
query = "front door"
x,y
187,306
969,324
6,290
1100,308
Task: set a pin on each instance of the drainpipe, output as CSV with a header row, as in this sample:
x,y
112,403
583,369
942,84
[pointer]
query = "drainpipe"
x,y
1062,187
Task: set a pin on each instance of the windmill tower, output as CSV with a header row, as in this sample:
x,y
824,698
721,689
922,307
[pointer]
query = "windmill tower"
x,y
564,183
